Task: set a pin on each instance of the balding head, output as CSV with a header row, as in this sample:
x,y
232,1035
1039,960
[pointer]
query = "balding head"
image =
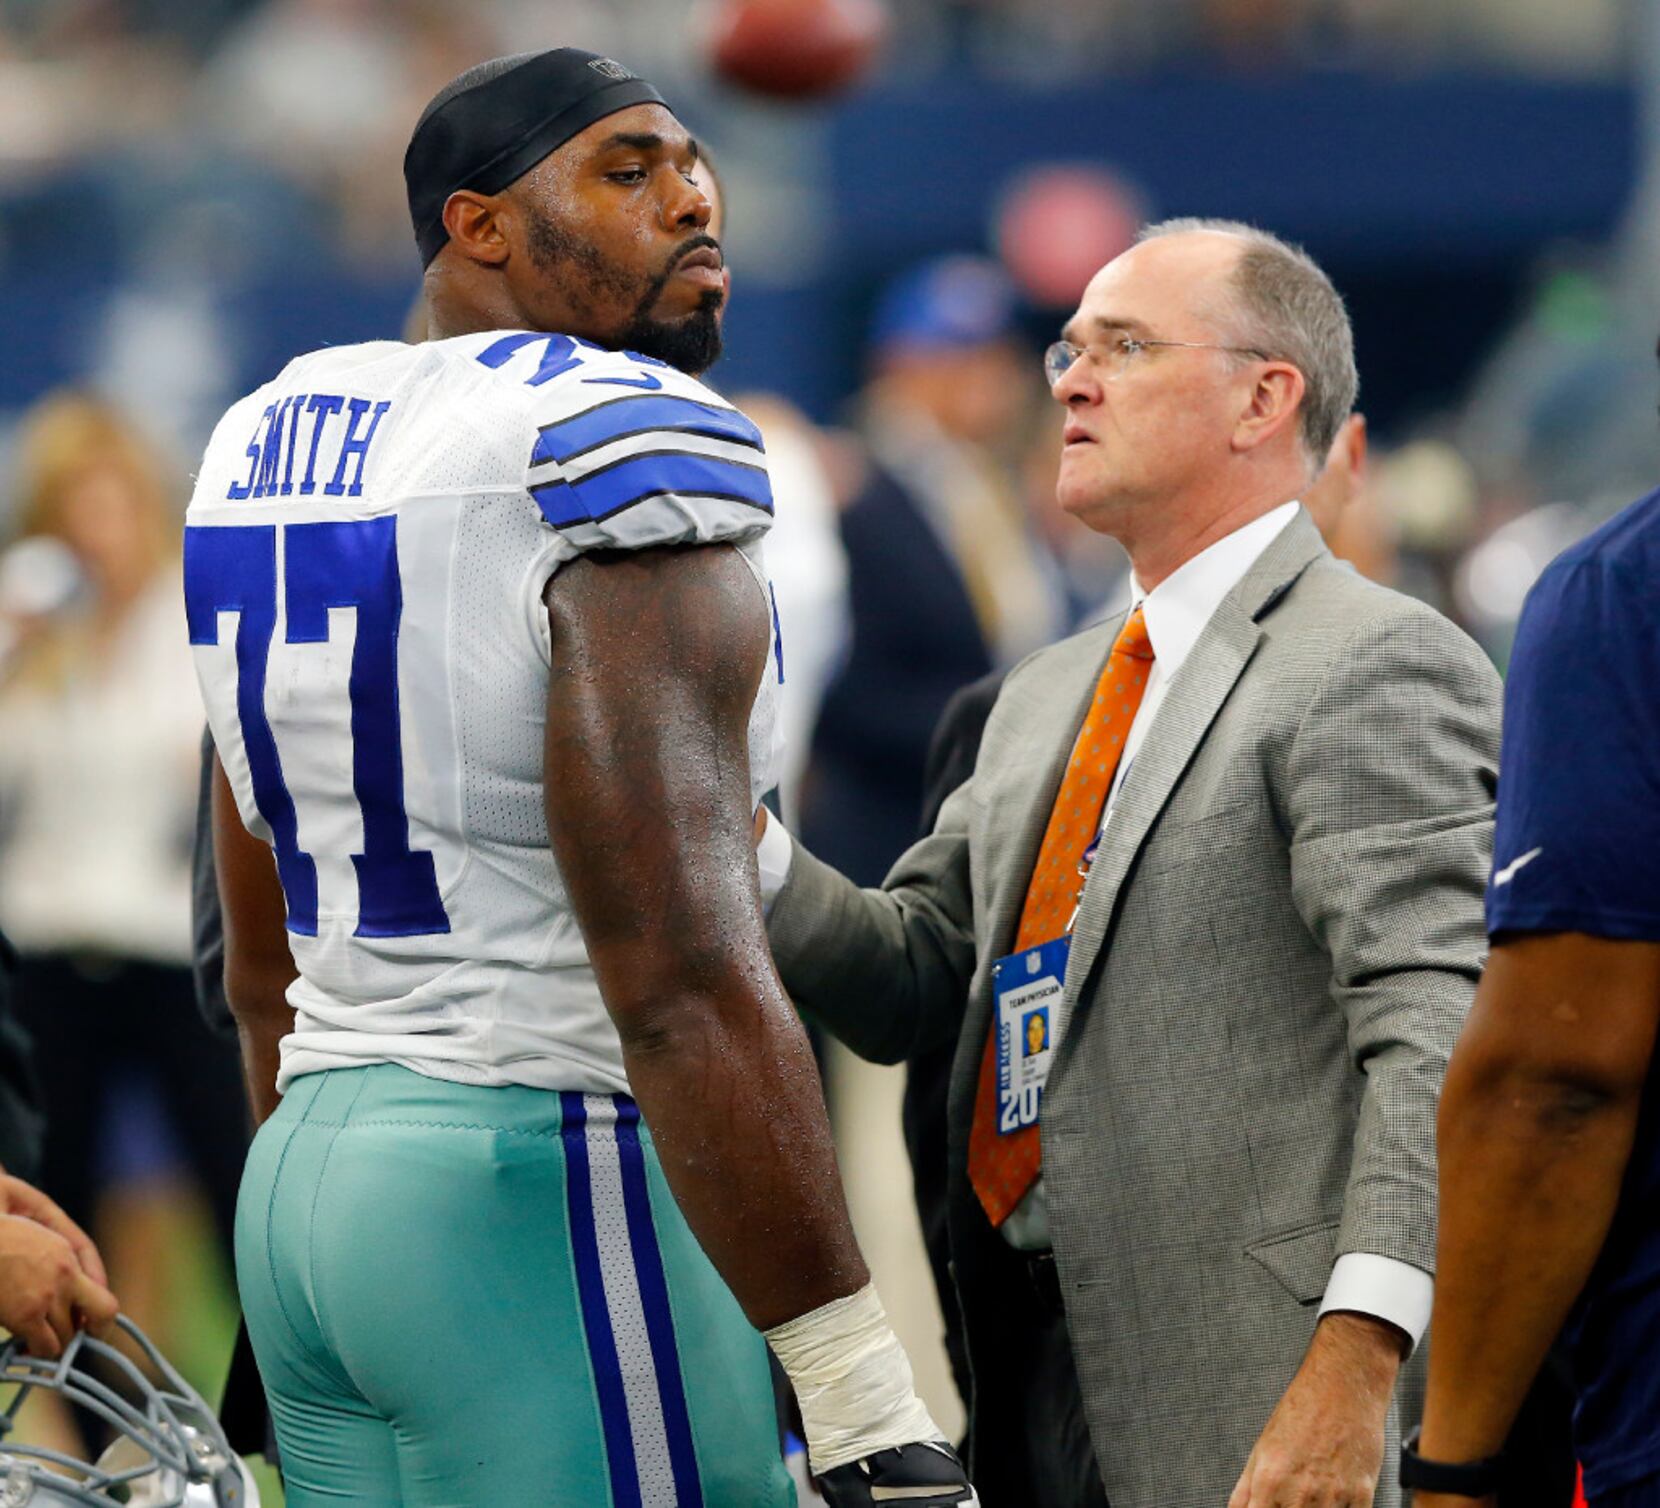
x,y
1277,300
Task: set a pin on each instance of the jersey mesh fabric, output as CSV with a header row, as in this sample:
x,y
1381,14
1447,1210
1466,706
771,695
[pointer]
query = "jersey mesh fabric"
x,y
506,994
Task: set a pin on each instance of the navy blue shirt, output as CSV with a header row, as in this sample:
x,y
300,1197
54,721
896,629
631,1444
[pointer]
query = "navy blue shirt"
x,y
1577,849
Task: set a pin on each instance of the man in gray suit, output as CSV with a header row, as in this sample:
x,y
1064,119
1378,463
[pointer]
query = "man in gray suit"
x,y
1275,779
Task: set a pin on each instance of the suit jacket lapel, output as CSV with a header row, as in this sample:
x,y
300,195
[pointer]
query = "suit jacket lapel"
x,y
1190,705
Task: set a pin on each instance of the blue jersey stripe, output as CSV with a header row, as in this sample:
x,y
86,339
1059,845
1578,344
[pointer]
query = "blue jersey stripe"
x,y
623,417
596,1316
654,1297
601,493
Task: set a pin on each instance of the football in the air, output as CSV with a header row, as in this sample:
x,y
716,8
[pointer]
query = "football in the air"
x,y
795,49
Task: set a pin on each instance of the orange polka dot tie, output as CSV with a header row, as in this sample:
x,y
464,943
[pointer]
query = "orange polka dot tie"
x,y
1002,1168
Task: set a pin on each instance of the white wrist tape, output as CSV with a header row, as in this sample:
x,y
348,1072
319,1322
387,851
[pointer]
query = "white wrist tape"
x,y
852,1379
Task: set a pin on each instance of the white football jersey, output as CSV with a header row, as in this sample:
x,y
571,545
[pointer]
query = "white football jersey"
x,y
365,557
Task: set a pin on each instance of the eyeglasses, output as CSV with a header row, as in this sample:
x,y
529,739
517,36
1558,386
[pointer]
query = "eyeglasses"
x,y
1112,357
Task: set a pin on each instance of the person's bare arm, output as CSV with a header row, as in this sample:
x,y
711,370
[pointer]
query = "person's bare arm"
x,y
258,965
1536,1127
657,655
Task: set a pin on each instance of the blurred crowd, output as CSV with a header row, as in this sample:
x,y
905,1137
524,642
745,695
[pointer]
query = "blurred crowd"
x,y
1091,35
304,104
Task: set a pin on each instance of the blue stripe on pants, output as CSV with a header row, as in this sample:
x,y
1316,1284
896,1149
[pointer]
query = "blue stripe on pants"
x,y
654,1296
596,1316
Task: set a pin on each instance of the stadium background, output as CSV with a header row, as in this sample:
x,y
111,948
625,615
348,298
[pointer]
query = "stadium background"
x,y
191,191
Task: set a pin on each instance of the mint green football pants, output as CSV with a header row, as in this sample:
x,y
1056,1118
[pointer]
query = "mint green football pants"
x,y
470,1296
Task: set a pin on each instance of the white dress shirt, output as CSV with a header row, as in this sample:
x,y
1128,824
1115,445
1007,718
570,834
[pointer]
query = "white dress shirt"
x,y
1176,612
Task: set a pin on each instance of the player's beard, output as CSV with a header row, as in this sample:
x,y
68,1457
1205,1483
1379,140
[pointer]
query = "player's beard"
x,y
692,343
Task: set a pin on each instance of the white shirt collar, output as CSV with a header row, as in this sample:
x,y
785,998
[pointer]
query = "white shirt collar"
x,y
1179,607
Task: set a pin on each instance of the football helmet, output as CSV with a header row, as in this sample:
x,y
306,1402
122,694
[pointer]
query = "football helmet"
x,y
168,1451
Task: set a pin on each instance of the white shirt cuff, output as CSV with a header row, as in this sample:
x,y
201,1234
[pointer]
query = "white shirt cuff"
x,y
773,856
1364,1283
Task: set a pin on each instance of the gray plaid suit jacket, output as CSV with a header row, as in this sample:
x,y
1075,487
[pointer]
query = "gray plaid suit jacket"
x,y
1278,942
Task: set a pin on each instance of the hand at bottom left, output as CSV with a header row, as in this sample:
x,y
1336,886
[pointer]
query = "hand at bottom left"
x,y
45,1293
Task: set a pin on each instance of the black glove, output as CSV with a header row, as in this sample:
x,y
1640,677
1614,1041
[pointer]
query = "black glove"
x,y
914,1468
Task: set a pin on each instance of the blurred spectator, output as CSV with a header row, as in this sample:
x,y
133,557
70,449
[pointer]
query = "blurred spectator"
x,y
326,90
58,25
21,1124
805,559
947,576
1094,570
101,721
1347,510
808,568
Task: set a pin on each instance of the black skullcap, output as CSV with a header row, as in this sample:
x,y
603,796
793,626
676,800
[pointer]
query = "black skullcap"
x,y
495,122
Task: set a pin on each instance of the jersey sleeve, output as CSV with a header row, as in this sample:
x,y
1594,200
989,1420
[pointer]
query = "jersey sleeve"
x,y
627,453
1577,842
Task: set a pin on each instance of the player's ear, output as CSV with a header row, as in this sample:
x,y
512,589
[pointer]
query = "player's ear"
x,y
474,226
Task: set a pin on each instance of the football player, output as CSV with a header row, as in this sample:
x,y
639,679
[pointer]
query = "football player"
x,y
490,660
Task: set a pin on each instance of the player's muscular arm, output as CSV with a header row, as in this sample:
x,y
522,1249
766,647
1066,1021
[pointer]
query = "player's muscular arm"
x,y
258,966
656,660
